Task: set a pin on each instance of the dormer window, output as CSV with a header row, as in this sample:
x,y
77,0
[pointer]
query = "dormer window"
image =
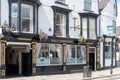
x,y
23,16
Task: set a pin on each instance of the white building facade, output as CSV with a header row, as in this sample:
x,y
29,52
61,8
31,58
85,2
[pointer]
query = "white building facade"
x,y
108,15
50,36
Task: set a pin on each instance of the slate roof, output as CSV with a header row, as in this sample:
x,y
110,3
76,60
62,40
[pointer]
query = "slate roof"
x,y
103,3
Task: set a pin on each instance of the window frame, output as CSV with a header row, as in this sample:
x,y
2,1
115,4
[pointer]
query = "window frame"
x,y
76,61
35,15
65,11
88,25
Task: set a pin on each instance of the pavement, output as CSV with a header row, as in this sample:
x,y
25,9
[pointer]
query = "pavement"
x,y
96,75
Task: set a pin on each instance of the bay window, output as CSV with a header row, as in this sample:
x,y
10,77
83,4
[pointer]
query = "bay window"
x,y
88,27
92,30
23,15
14,17
26,18
84,27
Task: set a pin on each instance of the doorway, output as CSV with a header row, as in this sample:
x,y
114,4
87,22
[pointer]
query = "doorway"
x,y
92,61
92,58
18,63
26,64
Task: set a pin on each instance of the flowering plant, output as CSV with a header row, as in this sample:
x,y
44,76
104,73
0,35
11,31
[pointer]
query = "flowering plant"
x,y
5,28
43,36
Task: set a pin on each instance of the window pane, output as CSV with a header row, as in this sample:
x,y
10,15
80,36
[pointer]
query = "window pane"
x,y
92,30
14,19
108,50
42,54
81,54
27,18
87,4
55,54
84,27
60,24
25,24
70,54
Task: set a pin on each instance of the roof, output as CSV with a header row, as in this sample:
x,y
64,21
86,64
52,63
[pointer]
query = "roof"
x,y
103,3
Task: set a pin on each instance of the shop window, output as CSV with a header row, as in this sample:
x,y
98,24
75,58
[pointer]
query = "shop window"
x,y
56,54
42,54
22,15
70,54
81,54
49,54
76,54
108,51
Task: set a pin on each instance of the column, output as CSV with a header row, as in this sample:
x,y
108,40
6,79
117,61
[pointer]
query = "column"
x,y
64,57
33,58
3,65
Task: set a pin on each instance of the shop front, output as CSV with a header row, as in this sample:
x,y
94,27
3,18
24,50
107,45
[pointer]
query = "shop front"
x,y
50,56
59,55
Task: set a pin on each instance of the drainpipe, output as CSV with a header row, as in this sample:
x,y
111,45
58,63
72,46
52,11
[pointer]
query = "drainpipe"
x,y
0,12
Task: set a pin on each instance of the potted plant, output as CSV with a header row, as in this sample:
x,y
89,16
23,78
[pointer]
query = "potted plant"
x,y
98,66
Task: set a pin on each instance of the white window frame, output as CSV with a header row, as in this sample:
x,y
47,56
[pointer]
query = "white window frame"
x,y
14,15
62,26
31,18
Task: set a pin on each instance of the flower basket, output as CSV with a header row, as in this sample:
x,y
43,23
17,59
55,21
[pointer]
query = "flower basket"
x,y
43,36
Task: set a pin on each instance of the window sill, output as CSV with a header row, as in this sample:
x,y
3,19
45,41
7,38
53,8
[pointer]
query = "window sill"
x,y
62,3
87,10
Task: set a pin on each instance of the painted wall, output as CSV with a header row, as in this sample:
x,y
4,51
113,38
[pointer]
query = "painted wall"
x,y
46,15
4,11
107,17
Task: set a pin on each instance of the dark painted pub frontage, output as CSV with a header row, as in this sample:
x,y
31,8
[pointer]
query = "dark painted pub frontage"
x,y
25,55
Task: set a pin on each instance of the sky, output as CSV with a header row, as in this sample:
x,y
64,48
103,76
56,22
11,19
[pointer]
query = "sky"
x,y
118,17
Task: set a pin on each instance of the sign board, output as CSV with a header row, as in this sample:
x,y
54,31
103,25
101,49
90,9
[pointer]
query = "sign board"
x,y
110,29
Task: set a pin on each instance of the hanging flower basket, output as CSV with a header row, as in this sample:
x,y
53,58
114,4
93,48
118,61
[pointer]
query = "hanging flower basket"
x,y
43,36
6,29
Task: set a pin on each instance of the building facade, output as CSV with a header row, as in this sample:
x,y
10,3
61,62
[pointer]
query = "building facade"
x,y
107,19
49,36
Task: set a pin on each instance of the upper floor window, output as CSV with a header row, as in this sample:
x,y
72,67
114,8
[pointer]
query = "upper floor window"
x,y
23,16
87,4
61,21
114,9
60,24
89,28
